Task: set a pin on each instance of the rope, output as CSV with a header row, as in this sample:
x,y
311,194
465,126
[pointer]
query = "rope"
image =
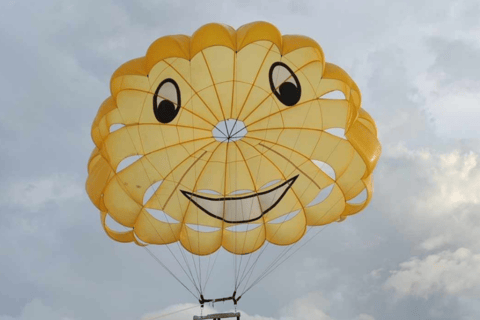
x,y
169,314
168,270
269,269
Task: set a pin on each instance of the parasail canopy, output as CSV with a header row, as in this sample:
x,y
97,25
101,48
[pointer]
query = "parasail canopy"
x,y
230,138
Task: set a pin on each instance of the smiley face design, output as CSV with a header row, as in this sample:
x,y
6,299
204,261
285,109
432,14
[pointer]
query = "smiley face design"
x,y
230,138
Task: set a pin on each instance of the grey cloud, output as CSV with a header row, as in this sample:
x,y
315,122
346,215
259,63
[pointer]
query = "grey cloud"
x,y
448,272
56,63
455,60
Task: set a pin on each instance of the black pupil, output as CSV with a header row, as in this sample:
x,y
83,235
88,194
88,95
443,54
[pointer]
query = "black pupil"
x,y
289,93
165,112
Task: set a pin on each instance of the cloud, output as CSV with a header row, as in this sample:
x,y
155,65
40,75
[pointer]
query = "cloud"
x,y
431,196
57,61
188,310
37,310
455,59
311,306
364,316
450,86
35,193
452,273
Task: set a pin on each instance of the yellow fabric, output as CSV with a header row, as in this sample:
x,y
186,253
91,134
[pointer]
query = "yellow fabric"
x,y
221,74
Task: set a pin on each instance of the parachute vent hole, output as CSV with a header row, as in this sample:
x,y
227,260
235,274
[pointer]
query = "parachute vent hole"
x,y
128,161
285,218
240,192
138,240
207,191
161,216
114,225
244,227
360,198
271,183
326,168
321,196
229,130
334,95
151,191
337,132
200,228
116,126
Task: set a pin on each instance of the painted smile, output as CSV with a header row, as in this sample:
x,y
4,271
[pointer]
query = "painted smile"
x,y
242,208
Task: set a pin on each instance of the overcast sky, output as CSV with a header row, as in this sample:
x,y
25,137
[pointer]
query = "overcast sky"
x,y
414,253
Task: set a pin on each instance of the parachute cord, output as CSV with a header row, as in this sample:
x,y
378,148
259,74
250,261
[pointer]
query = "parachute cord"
x,y
211,270
195,168
169,271
171,313
207,270
188,265
261,158
238,276
273,267
266,274
286,250
191,254
236,159
148,219
252,267
178,262
192,279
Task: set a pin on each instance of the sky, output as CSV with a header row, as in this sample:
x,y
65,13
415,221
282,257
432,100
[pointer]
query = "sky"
x,y
413,253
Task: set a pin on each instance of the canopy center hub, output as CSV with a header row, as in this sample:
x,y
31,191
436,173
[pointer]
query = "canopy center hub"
x,y
229,130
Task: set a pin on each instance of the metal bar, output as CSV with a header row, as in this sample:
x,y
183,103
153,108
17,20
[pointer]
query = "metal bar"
x,y
219,316
202,300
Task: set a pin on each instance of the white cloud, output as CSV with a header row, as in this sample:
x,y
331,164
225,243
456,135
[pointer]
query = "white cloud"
x,y
188,310
452,102
179,311
34,194
86,40
311,306
452,273
364,316
432,196
449,83
36,310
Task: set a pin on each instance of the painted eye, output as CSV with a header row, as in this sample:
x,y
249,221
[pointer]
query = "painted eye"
x,y
166,101
284,84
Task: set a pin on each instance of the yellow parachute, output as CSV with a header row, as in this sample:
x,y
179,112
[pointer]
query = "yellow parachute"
x,y
230,138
